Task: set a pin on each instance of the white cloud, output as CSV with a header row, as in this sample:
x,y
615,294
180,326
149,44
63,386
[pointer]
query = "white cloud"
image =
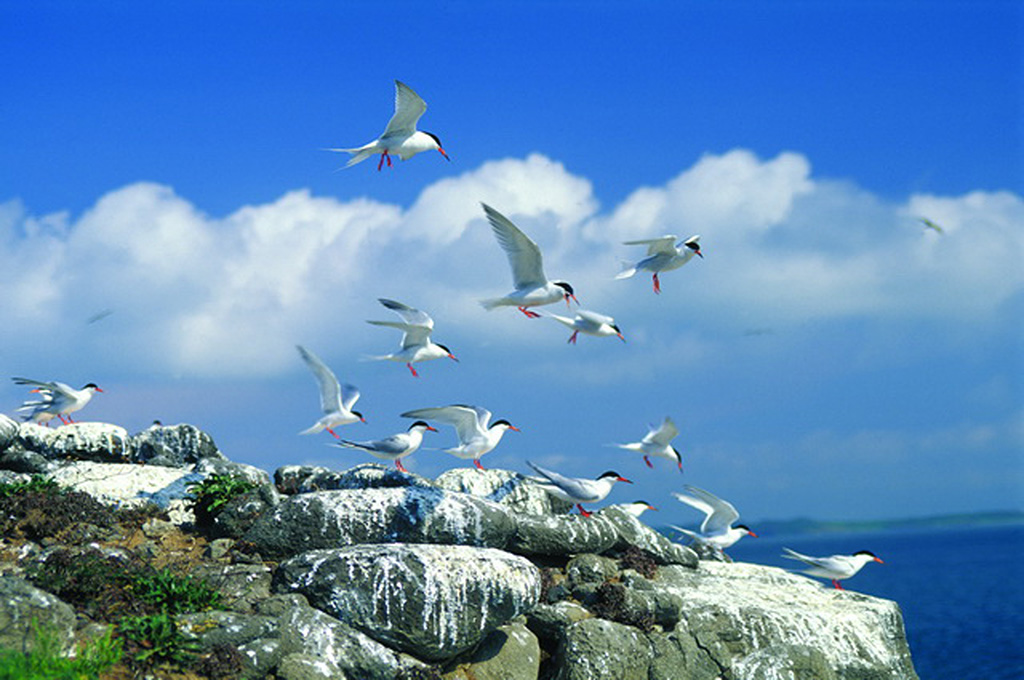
x,y
193,294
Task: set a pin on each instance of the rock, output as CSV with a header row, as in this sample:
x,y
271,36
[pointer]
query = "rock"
x,y
127,485
563,535
173,446
313,640
408,514
431,601
221,627
786,662
18,459
595,649
304,667
8,431
735,610
98,442
261,656
304,479
676,655
239,514
511,652
9,477
222,466
589,568
505,487
26,610
548,620
633,532
243,586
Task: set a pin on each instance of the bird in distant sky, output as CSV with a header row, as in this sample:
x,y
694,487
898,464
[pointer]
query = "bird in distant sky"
x,y
663,255
416,342
476,437
931,225
836,567
716,530
590,323
658,442
575,489
395,447
56,400
336,400
400,137
532,287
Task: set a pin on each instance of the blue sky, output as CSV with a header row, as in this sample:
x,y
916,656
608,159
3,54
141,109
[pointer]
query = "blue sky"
x,y
829,358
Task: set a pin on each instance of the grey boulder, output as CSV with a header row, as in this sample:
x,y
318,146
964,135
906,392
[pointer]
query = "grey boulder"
x,y
98,442
505,487
173,446
25,610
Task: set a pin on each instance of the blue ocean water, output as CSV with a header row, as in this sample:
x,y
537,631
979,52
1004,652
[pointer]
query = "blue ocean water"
x,y
961,591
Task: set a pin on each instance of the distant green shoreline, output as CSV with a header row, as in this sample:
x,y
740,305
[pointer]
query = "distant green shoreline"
x,y
810,526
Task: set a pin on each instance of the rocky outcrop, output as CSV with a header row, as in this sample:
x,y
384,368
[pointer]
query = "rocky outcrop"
x,y
376,574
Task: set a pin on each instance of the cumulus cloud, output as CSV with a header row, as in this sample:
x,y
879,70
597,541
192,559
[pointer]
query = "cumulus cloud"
x,y
195,294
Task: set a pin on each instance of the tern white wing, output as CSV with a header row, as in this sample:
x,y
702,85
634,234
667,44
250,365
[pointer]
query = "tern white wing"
x,y
333,397
469,421
391,446
664,434
663,245
409,106
593,318
720,514
415,336
523,254
579,489
410,315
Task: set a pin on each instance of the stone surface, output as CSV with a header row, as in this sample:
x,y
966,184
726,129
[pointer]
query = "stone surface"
x,y
24,609
126,485
218,466
223,627
406,514
243,586
428,600
512,652
632,531
173,446
8,431
563,535
100,442
304,479
505,487
595,649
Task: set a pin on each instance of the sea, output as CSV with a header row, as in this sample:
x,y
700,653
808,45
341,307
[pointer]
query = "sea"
x,y
961,591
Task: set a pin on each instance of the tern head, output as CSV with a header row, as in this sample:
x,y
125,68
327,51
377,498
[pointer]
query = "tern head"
x,y
447,351
614,476
868,553
645,504
692,244
567,293
618,332
505,424
422,424
359,415
437,141
678,456
92,386
746,530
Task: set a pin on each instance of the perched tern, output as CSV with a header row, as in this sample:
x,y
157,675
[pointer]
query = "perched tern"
x,y
716,530
476,437
836,567
336,400
532,287
577,490
657,442
416,342
56,400
663,255
590,323
636,508
395,447
400,137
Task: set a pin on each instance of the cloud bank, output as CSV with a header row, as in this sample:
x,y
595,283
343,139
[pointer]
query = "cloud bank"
x,y
194,294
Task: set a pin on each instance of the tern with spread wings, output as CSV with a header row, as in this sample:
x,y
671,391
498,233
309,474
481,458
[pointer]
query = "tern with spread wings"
x,y
663,255
576,489
336,400
56,400
416,327
658,443
717,529
476,436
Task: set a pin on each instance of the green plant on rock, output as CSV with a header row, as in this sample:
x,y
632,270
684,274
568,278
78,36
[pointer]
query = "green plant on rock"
x,y
37,484
173,593
155,639
45,661
214,492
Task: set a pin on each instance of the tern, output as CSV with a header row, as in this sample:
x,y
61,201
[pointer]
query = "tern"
x,y
56,400
336,400
476,437
590,323
663,255
416,342
577,490
532,287
931,225
657,442
836,567
636,508
400,137
716,530
395,447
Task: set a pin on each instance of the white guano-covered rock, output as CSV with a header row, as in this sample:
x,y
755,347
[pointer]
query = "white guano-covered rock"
x,y
508,488
431,601
130,485
80,441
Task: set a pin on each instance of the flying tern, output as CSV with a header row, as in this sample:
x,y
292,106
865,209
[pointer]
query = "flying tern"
x,y
56,400
400,137
577,490
476,437
836,567
663,255
336,400
716,530
657,442
395,447
931,225
416,342
590,323
532,287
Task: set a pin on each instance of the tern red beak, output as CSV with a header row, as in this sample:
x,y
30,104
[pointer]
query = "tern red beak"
x,y
444,154
432,429
879,561
623,479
